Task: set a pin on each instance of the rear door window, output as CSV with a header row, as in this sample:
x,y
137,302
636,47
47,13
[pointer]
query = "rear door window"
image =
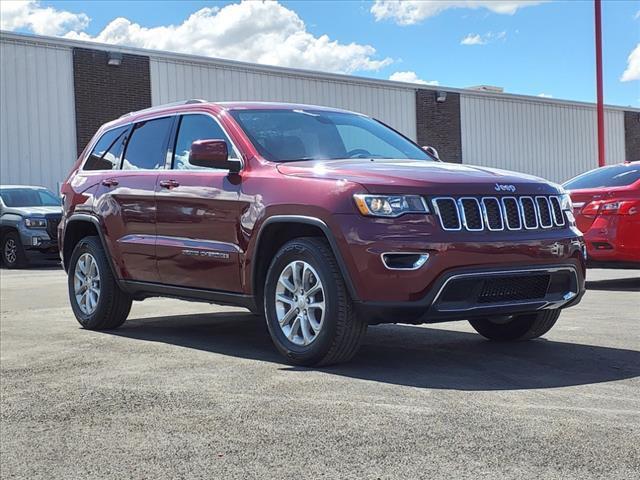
x,y
147,146
614,176
106,153
192,128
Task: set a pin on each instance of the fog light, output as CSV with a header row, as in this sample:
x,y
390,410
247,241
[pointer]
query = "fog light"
x,y
404,261
35,241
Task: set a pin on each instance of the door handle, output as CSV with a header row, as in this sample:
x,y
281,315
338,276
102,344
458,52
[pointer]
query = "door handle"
x,y
169,184
110,182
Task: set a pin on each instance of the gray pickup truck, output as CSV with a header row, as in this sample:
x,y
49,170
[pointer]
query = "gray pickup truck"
x,y
29,218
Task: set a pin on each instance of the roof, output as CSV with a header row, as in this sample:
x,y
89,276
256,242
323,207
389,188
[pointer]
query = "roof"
x,y
57,42
34,187
193,104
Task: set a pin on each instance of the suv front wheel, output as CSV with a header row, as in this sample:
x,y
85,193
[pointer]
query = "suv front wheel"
x,y
13,255
96,300
308,310
518,327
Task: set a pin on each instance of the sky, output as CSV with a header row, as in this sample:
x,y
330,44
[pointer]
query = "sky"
x,y
530,47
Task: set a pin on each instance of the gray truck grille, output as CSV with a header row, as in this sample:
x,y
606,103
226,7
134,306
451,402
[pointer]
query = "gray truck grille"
x,y
499,213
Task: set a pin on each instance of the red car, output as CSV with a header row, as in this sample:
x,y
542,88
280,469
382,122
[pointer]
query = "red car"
x,y
322,220
606,203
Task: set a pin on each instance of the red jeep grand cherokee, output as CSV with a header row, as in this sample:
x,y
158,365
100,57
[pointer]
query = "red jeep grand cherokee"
x,y
324,220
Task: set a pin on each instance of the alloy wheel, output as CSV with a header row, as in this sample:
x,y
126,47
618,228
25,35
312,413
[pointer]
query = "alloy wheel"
x,y
300,303
86,283
10,251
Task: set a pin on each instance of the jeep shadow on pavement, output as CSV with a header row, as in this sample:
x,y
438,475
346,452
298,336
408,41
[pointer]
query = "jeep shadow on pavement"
x,y
323,221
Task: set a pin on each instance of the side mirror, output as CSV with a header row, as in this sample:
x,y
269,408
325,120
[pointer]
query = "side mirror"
x,y
211,153
431,151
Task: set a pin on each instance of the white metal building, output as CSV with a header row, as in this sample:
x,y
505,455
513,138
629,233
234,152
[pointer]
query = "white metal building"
x,y
53,91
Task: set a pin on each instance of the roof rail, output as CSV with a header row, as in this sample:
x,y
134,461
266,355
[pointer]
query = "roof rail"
x,y
166,105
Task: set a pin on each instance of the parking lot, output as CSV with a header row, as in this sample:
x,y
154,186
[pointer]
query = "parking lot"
x,y
185,389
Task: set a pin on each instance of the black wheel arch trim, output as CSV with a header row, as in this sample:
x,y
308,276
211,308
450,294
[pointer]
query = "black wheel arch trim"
x,y
85,217
308,221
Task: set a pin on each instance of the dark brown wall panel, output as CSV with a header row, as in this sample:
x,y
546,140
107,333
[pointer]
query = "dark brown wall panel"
x,y
632,136
438,124
105,92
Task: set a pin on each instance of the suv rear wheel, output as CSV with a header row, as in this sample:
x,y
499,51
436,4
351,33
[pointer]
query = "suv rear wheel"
x,y
13,255
519,327
96,300
308,310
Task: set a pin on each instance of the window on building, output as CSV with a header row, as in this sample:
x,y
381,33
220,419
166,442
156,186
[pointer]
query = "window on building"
x,y
193,128
106,153
147,146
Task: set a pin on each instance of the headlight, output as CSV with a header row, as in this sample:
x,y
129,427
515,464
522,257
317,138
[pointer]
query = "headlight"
x,y
565,202
35,222
567,207
390,205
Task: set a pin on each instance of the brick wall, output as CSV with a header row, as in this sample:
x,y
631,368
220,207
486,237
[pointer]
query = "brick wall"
x,y
105,92
438,124
632,135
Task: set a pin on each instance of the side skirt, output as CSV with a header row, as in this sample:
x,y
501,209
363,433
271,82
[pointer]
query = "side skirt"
x,y
142,290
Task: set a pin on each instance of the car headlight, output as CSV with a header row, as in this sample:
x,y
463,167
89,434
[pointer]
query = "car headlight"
x,y
567,207
390,205
565,202
35,223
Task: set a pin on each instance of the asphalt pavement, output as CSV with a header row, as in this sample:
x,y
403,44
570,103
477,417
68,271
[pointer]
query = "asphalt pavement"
x,y
187,390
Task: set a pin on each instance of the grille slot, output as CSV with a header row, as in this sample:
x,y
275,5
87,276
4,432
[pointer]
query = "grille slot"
x,y
492,213
512,213
471,214
529,213
499,213
448,212
558,216
544,211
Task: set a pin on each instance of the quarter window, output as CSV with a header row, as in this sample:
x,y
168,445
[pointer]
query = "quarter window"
x,y
147,145
193,128
106,153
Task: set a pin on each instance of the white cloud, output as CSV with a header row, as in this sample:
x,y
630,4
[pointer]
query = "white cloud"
x,y
29,15
411,77
477,39
545,95
261,32
637,15
632,71
408,12
472,39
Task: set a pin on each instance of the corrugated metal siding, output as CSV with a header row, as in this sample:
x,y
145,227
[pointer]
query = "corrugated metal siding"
x,y
174,80
550,140
37,118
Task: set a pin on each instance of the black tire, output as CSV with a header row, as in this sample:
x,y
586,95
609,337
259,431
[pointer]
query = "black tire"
x,y
342,330
113,304
16,259
525,326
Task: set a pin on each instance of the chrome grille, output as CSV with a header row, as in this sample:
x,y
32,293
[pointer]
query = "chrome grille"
x,y
529,214
558,217
499,213
544,212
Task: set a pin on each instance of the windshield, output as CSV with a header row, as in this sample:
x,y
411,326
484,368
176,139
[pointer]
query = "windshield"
x,y
614,176
28,197
288,135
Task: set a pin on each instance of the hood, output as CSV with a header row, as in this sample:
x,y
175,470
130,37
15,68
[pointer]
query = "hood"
x,y
419,176
36,211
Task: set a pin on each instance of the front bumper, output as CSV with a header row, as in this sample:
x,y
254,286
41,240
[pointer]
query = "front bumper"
x,y
382,293
466,293
38,239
